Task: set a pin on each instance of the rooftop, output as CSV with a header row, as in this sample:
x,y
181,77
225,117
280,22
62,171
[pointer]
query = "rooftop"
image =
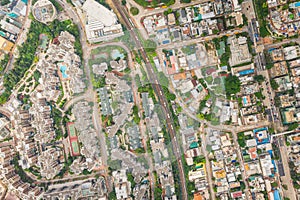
x,y
93,8
5,45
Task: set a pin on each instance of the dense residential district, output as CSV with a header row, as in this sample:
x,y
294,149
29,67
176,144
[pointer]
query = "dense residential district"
x,y
149,99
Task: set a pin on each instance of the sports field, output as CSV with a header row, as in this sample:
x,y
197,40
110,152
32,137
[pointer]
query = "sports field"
x,y
71,129
75,148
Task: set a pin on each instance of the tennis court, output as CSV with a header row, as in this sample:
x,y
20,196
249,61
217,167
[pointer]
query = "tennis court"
x,y
75,148
72,131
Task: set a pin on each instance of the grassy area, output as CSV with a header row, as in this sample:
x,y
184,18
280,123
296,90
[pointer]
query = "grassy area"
x,y
218,90
4,62
241,139
103,54
164,81
262,12
188,50
226,55
232,85
134,11
149,46
155,3
209,80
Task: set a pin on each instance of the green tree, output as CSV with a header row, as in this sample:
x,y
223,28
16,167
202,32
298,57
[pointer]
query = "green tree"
x,y
130,178
216,41
36,75
293,126
112,195
274,84
285,187
245,20
259,95
269,65
4,2
241,139
4,62
259,78
274,184
86,172
232,85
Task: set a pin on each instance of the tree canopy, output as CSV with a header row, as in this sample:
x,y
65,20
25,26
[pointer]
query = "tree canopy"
x,y
259,78
274,84
232,85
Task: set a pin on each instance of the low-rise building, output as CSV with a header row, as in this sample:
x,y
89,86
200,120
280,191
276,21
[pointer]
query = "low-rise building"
x,y
121,184
5,45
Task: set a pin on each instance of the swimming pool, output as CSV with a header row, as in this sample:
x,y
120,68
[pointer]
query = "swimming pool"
x,y
276,195
2,33
297,4
117,54
260,129
245,72
63,71
12,15
245,101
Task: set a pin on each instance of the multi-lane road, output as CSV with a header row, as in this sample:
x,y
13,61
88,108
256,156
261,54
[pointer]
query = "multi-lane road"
x,y
159,92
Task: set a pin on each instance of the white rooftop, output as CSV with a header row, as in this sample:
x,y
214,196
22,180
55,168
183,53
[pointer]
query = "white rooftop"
x,y
97,12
